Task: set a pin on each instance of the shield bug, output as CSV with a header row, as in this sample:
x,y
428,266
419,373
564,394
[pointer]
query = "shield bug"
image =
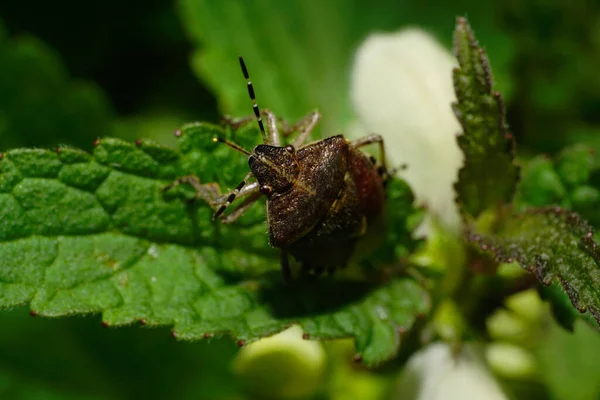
x,y
323,198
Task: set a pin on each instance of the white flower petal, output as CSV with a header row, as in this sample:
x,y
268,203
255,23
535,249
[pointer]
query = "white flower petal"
x,y
435,373
402,89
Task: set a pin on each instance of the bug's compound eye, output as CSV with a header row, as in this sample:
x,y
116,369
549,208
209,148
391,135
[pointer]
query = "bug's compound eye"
x,y
290,149
266,189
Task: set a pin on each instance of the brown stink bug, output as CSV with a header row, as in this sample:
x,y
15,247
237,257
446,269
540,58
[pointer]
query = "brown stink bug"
x,y
323,197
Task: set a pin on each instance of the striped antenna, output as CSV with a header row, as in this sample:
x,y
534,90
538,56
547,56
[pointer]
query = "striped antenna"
x,y
232,145
253,98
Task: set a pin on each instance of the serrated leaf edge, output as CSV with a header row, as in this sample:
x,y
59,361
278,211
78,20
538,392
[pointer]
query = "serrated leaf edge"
x,y
580,228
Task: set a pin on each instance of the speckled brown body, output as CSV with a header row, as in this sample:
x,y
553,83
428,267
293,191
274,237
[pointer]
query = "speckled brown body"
x,y
337,194
323,198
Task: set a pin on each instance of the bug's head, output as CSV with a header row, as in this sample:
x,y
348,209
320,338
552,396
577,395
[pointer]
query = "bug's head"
x,y
276,168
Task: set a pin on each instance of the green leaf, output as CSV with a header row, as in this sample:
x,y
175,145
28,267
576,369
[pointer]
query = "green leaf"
x,y
489,175
566,180
575,165
94,233
561,307
585,200
305,72
540,185
402,219
299,53
40,104
13,386
88,361
568,362
561,181
555,245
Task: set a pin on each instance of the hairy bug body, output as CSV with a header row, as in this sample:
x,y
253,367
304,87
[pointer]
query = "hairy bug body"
x,y
337,196
322,197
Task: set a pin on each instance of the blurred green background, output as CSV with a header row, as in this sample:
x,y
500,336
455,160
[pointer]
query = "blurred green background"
x,y
72,71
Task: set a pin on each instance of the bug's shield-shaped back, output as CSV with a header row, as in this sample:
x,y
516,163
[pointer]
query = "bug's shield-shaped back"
x,y
321,179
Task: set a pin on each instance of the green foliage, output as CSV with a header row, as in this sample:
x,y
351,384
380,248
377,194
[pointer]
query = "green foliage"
x,y
553,244
562,308
569,362
39,104
402,219
489,175
94,233
565,180
575,165
74,358
557,54
281,76
299,53
540,185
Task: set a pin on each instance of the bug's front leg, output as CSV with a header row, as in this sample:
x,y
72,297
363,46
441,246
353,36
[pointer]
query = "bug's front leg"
x,y
240,210
225,201
211,193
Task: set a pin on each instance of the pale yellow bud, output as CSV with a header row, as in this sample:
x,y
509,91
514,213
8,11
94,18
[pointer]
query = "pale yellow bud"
x,y
283,366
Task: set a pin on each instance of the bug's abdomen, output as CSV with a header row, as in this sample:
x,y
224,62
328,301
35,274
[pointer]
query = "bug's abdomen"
x,y
370,193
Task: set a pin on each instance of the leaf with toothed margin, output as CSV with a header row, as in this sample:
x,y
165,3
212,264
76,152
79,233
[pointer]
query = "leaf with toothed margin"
x,y
560,305
94,233
555,245
489,175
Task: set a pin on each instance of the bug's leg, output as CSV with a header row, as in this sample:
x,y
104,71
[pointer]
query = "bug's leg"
x,y
248,189
305,126
236,123
224,201
248,202
287,129
367,140
209,192
272,131
286,272
271,125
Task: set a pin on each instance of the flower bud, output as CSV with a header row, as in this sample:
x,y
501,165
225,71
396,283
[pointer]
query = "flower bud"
x,y
283,366
510,361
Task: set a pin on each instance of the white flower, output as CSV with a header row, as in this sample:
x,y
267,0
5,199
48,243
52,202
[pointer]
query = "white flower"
x,y
436,373
402,89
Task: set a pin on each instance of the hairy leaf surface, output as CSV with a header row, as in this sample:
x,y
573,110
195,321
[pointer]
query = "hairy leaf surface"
x,y
555,245
489,175
88,233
